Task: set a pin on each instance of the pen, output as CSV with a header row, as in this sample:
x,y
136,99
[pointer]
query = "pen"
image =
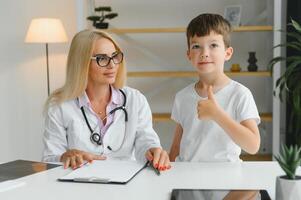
x,y
149,163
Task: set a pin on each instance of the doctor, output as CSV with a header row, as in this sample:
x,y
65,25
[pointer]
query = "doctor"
x,y
93,116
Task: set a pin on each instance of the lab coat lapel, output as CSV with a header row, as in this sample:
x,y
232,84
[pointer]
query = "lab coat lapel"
x,y
115,133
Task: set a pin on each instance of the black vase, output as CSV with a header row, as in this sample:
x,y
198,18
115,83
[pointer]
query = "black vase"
x,y
252,67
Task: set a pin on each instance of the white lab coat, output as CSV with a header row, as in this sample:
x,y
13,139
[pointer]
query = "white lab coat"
x,y
65,128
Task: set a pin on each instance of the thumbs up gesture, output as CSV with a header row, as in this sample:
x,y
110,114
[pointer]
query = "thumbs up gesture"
x,y
208,109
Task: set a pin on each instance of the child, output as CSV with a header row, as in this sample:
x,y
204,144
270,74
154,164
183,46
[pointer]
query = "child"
x,y
216,117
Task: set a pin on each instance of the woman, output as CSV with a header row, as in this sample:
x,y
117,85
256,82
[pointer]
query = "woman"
x,y
93,116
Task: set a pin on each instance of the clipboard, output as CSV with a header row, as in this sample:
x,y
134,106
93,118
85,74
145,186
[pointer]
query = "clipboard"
x,y
105,172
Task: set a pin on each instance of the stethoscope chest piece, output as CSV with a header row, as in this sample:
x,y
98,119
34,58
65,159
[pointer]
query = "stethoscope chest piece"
x,y
96,138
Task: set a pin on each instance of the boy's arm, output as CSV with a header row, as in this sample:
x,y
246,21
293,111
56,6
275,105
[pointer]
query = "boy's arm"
x,y
175,147
244,134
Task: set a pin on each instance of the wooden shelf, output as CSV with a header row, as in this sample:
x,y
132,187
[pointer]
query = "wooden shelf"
x,y
252,28
183,29
266,117
256,157
193,74
162,117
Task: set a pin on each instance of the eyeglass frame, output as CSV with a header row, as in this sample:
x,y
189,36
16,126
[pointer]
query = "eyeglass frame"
x,y
110,58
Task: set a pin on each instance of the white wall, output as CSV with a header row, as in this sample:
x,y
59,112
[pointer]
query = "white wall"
x,y
23,86
23,69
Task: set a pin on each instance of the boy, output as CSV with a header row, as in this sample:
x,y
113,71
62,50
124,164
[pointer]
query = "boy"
x,y
216,117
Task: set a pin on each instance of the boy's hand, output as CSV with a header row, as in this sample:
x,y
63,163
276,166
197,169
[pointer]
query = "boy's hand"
x,y
209,108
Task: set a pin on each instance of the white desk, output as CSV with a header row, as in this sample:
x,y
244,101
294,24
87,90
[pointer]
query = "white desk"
x,y
147,185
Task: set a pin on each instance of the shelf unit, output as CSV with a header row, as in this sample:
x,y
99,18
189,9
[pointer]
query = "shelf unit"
x,y
183,29
165,117
160,117
279,23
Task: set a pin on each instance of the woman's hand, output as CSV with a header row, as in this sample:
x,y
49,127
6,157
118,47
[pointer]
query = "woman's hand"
x,y
75,158
159,158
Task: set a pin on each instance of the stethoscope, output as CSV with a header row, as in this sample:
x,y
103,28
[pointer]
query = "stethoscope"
x,y
96,137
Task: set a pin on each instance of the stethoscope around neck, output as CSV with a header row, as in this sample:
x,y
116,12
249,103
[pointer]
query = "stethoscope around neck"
x,y
96,137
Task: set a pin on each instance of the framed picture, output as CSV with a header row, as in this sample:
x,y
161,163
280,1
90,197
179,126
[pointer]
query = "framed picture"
x,y
232,14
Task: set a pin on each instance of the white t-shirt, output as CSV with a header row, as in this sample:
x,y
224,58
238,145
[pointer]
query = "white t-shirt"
x,y
205,140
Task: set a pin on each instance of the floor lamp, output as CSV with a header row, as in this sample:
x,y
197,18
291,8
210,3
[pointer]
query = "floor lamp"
x,y
46,30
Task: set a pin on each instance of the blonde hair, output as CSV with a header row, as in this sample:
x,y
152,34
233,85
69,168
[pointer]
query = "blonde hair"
x,y
78,63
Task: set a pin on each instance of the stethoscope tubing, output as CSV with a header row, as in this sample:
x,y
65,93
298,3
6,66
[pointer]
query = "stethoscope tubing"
x,y
95,135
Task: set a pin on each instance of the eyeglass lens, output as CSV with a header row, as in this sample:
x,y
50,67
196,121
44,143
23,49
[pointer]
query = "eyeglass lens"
x,y
103,60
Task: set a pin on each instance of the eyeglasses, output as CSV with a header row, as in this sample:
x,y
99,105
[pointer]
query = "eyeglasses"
x,y
103,60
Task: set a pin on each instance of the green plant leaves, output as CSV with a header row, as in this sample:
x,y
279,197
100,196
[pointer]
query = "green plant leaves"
x,y
294,35
296,100
289,82
103,8
93,18
296,25
289,160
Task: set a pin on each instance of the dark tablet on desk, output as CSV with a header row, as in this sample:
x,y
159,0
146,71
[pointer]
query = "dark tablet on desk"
x,y
204,194
19,168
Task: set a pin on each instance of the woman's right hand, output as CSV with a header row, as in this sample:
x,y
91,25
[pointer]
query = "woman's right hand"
x,y
75,158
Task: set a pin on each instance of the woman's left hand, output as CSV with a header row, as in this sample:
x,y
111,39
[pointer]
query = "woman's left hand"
x,y
159,158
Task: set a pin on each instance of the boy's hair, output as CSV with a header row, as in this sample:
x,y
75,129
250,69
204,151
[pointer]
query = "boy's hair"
x,y
203,24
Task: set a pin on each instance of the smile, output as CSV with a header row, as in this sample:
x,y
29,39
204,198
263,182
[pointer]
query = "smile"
x,y
204,63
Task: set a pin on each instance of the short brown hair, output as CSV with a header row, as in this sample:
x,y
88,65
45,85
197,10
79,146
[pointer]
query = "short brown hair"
x,y
203,24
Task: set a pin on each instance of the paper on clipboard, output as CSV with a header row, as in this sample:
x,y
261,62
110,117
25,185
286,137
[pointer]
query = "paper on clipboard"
x,y
105,171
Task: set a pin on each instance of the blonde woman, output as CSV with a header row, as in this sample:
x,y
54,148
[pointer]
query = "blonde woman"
x,y
93,116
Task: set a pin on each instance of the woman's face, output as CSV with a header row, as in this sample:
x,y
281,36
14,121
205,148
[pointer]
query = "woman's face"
x,y
104,49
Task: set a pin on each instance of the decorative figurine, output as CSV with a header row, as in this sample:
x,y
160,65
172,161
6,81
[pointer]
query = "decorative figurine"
x,y
235,67
252,67
98,21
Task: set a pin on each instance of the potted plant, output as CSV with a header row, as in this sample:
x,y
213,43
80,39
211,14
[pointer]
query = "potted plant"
x,y
98,20
290,81
288,187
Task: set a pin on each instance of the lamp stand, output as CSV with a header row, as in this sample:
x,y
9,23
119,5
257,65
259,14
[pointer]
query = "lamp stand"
x,y
47,62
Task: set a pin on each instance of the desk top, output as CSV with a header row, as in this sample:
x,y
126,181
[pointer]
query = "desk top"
x,y
147,185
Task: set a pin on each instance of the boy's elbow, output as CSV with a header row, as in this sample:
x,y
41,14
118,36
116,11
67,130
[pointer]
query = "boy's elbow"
x,y
254,148
253,151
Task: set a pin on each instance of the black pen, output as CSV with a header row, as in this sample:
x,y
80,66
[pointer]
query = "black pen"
x,y
149,163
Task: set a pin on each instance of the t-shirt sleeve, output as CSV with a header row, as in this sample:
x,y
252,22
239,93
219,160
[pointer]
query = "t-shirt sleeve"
x,y
246,108
175,111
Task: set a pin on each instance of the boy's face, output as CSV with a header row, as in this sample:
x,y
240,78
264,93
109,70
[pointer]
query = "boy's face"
x,y
208,53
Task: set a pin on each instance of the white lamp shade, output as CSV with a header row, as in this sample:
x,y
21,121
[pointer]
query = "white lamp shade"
x,y
46,30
